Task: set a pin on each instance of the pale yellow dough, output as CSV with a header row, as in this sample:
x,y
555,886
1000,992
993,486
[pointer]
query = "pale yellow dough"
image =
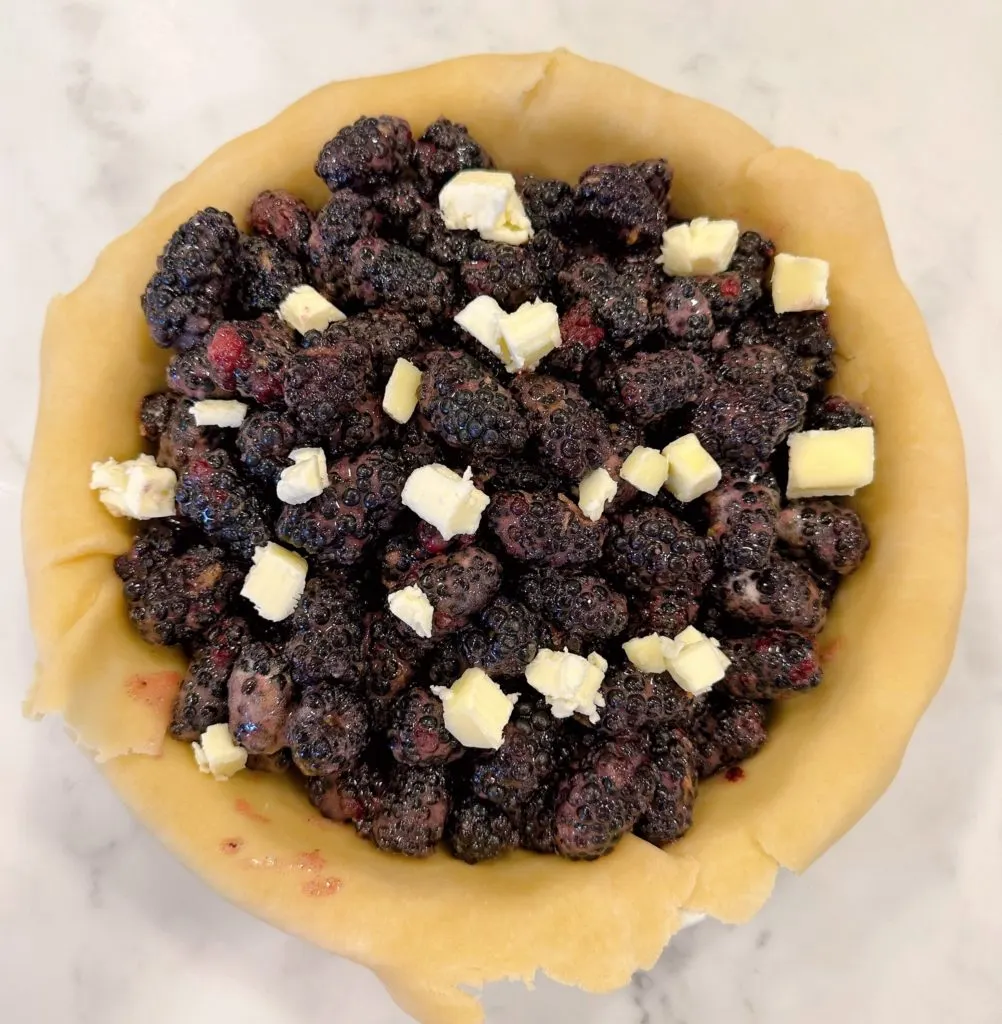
x,y
428,927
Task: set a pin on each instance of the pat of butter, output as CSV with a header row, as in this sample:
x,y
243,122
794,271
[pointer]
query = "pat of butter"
x,y
306,478
446,500
275,582
595,491
481,319
137,488
799,283
476,709
411,606
486,202
830,462
400,398
702,246
217,755
569,682
650,653
692,470
218,412
697,662
646,469
530,333
305,309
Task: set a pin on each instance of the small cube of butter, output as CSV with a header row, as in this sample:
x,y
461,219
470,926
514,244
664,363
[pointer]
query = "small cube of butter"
x,y
697,666
650,653
530,333
137,488
217,755
305,309
275,582
830,462
446,500
692,471
476,709
595,491
646,469
400,398
411,606
799,283
306,478
486,202
481,319
218,412
702,246
569,682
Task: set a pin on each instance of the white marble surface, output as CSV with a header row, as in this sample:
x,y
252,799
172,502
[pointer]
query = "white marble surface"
x,y
106,102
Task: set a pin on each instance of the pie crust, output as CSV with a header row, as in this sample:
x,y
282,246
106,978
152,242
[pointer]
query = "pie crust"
x,y
429,927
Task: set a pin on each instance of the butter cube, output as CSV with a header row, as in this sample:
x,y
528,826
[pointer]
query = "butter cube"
x,y
650,653
476,709
275,582
217,755
530,333
218,412
446,500
646,469
400,398
481,319
799,283
595,491
692,471
306,478
569,682
411,606
702,246
486,202
830,462
697,666
305,309
137,488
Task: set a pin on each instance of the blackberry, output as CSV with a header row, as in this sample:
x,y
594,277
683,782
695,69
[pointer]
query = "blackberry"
x,y
250,357
515,474
417,732
260,698
326,628
571,437
781,594
458,585
346,795
397,205
344,219
809,373
478,831
834,412
154,414
548,202
536,821
507,640
676,771
447,661
580,339
742,426
410,814
180,439
193,280
381,273
758,365
730,295
613,202
387,336
388,660
155,541
770,665
400,559
649,386
362,502
617,306
426,232
545,528
525,760
651,548
509,274
265,273
275,764
445,149
322,384
328,729
663,611
635,701
753,255
362,427
366,154
190,374
584,606
684,311
281,216
211,494
602,798
743,517
657,177
796,334
726,730
467,408
831,535
202,699
264,442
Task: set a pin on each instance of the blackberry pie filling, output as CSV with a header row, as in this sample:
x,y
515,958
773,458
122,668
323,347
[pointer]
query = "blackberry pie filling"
x,y
496,510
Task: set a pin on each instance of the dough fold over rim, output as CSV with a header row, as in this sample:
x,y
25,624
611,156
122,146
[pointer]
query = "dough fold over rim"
x,y
434,930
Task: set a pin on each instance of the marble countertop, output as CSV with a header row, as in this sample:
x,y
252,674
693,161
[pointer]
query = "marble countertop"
x,y
104,103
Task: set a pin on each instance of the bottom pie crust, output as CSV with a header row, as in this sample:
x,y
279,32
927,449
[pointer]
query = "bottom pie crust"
x,y
433,928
